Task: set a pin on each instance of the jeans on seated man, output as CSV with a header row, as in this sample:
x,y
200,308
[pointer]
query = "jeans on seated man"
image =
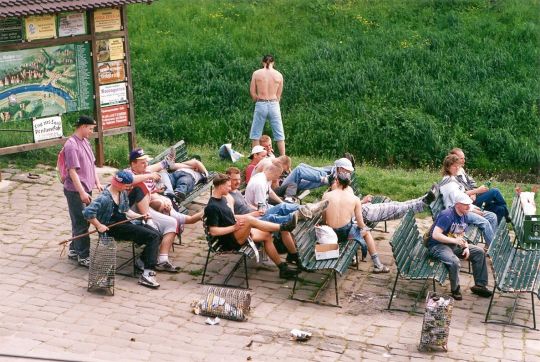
x,y
233,230
112,206
446,243
343,206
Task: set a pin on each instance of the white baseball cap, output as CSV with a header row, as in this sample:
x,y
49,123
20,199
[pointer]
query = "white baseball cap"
x,y
462,198
344,163
256,149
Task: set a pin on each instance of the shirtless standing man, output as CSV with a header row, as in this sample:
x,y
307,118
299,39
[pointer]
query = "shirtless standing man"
x,y
343,205
265,90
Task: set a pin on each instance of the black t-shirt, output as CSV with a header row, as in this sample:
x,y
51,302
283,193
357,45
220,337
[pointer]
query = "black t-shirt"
x,y
218,213
116,215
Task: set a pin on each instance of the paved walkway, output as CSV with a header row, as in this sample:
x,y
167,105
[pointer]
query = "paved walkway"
x,y
45,310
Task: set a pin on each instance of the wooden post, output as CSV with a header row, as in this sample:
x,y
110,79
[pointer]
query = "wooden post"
x,y
132,142
100,154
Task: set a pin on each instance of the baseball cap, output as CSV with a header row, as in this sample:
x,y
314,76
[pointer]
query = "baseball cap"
x,y
85,120
462,198
255,150
123,177
138,154
344,163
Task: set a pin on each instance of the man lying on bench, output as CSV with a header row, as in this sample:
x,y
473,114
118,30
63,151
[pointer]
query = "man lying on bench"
x,y
233,230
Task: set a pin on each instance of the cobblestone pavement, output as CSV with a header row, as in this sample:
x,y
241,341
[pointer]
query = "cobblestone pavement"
x,y
46,311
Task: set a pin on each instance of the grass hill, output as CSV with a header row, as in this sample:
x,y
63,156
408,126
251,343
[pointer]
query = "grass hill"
x,y
394,82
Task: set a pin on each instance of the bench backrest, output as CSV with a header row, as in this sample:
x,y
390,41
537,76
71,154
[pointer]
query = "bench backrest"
x,y
526,227
181,153
501,251
404,241
436,207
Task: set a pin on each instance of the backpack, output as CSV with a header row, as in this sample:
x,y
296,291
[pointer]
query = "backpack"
x,y
61,170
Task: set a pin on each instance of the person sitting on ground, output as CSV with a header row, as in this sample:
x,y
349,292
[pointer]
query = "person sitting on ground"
x,y
447,244
266,142
342,207
233,230
489,199
145,199
112,206
450,188
257,154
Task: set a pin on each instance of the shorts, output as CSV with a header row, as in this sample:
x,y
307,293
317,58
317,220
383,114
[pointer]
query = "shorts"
x,y
229,243
264,110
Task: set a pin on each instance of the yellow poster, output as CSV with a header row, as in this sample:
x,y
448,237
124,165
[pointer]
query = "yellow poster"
x,y
110,49
40,27
107,20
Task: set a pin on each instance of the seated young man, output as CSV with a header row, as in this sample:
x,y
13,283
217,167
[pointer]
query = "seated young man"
x,y
343,206
233,230
112,206
145,199
446,243
257,154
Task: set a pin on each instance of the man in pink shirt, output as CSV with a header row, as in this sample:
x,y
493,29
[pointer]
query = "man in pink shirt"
x,y
81,179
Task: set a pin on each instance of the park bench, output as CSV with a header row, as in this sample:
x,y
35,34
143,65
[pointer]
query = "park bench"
x,y
304,235
515,270
182,156
214,248
412,257
526,227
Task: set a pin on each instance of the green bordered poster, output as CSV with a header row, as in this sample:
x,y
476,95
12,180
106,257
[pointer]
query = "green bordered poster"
x,y
11,30
45,81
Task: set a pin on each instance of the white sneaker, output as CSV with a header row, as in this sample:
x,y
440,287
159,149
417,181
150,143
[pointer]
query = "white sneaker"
x,y
148,279
83,261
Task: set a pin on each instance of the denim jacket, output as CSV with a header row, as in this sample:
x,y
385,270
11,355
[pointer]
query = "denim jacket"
x,y
102,207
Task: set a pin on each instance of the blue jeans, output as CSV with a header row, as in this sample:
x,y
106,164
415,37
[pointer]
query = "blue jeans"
x,y
486,223
450,256
351,231
494,202
303,177
79,225
280,214
264,110
182,181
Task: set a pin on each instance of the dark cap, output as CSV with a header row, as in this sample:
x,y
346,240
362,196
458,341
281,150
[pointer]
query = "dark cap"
x,y
138,154
84,120
123,177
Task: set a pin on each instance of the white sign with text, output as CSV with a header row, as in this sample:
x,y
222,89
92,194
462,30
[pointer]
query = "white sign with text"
x,y
47,128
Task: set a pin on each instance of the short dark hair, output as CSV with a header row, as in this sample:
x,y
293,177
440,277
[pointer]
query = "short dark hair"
x,y
220,179
267,59
85,120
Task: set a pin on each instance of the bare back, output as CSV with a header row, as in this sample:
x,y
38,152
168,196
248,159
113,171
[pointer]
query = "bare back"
x,y
266,83
341,208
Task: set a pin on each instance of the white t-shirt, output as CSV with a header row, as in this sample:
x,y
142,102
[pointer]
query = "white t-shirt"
x,y
257,190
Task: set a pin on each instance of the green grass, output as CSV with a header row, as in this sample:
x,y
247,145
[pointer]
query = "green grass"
x,y
395,82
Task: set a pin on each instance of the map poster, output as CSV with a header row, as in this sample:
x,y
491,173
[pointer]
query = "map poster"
x,y
11,30
41,82
115,116
40,27
111,72
112,94
107,20
71,24
110,49
47,128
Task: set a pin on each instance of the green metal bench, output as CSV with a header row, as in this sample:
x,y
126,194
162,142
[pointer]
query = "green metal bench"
x,y
515,271
182,156
412,257
214,247
526,227
306,239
